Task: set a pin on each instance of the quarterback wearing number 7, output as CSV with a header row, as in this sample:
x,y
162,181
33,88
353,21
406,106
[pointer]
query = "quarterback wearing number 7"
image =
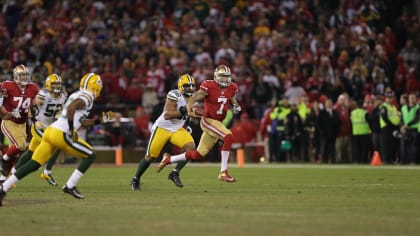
x,y
218,95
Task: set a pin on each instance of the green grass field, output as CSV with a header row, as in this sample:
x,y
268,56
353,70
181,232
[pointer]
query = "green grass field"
x,y
267,200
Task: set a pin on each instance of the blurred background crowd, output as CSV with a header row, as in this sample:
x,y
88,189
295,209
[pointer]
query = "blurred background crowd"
x,y
280,52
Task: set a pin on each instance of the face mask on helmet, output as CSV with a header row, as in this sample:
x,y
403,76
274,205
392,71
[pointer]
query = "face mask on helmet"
x,y
222,75
91,82
21,75
54,84
186,84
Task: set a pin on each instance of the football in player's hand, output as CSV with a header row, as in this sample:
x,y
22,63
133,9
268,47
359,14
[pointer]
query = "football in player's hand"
x,y
197,109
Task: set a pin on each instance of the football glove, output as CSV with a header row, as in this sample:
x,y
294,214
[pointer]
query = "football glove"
x,y
107,116
236,108
16,113
184,112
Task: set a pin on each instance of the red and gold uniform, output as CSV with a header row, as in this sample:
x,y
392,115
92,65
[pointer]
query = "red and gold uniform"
x,y
19,100
18,96
216,105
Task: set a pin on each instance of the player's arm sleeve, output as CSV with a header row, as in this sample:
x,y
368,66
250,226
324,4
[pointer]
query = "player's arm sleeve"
x,y
198,96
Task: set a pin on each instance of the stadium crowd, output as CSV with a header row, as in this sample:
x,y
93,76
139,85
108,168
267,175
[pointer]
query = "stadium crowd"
x,y
322,54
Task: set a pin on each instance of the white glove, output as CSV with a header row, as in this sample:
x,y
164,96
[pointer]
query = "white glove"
x,y
236,108
16,113
107,116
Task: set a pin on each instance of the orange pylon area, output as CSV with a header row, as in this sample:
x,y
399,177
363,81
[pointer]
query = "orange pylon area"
x,y
376,159
240,157
118,156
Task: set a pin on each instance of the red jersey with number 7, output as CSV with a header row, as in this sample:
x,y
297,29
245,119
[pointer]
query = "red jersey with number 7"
x,y
17,98
216,102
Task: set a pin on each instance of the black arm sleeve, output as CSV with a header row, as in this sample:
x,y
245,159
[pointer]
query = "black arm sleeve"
x,y
416,118
384,116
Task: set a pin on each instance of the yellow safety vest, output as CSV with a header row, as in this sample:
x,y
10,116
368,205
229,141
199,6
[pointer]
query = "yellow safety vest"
x,y
359,123
408,116
280,114
392,113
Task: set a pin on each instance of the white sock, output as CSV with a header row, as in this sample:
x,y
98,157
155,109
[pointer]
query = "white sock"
x,y
47,172
13,171
224,161
179,157
74,178
9,183
5,157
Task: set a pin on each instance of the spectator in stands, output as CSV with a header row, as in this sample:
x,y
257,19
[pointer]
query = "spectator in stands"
x,y
343,143
313,131
134,92
409,53
116,132
142,122
261,95
149,98
329,128
224,52
295,92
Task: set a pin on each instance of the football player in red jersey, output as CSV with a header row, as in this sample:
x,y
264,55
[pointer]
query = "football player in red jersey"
x,y
217,95
17,98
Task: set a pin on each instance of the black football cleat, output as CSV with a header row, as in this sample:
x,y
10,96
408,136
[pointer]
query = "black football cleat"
x,y
135,184
73,191
174,177
3,167
2,195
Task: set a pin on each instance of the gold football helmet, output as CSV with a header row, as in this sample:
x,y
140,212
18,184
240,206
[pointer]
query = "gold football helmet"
x,y
54,84
91,82
222,75
186,84
21,75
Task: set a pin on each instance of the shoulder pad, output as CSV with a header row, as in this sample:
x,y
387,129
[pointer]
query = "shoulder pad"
x,y
174,95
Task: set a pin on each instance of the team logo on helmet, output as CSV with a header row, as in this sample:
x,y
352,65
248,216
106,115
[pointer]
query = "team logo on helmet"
x,y
91,82
186,85
54,84
21,75
222,75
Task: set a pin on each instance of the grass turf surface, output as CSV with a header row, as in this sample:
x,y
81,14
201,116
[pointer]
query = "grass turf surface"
x,y
267,200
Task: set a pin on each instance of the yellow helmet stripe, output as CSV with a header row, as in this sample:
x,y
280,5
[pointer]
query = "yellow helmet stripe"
x,y
85,83
57,77
190,79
